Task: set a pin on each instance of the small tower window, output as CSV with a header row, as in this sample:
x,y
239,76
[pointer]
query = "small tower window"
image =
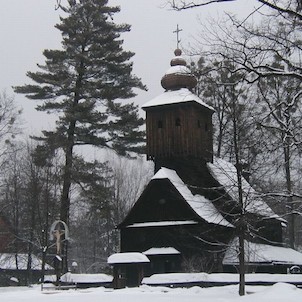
x,y
198,124
160,124
177,122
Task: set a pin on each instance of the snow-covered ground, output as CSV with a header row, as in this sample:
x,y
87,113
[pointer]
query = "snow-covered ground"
x,y
279,292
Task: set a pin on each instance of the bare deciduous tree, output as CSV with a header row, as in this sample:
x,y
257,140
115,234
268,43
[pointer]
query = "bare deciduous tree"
x,y
9,124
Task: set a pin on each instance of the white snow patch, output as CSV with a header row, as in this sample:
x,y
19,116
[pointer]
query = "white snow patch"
x,y
182,95
174,278
262,253
179,69
160,223
161,251
132,257
86,278
278,293
8,261
225,173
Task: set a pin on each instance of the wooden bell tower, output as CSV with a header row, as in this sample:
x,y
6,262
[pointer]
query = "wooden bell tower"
x,y
178,123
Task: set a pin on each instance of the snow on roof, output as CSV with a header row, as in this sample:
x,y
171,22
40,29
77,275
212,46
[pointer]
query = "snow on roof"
x,y
85,278
203,207
8,262
174,278
161,251
132,257
262,253
225,173
182,95
160,223
178,69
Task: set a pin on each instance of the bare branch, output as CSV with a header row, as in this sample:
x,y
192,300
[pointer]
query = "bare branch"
x,y
181,5
58,4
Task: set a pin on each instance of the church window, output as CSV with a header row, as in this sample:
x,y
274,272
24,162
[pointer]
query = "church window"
x,y
160,124
198,124
177,122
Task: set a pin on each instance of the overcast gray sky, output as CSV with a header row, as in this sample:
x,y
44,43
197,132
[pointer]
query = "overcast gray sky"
x,y
27,28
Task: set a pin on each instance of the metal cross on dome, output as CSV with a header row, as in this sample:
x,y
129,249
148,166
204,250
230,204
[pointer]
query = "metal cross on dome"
x,y
177,31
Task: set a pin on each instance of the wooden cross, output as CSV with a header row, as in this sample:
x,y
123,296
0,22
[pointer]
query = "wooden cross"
x,y
177,31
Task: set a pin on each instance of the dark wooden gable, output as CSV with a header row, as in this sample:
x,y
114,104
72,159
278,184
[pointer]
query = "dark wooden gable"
x,y
188,233
160,201
179,130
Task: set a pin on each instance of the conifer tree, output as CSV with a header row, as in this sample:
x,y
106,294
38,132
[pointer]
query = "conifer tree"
x,y
84,83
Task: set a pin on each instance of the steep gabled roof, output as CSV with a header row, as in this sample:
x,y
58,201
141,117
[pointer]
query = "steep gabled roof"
x,y
226,175
203,207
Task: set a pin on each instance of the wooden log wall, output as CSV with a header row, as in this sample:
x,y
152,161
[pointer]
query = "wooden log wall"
x,y
179,130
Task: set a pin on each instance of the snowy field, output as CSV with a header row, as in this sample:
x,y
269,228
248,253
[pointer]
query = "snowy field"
x,y
276,293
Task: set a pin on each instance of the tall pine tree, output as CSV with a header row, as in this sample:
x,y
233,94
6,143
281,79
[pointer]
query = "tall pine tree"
x,y
85,82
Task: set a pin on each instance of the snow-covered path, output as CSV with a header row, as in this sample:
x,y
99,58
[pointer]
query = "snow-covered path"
x,y
277,293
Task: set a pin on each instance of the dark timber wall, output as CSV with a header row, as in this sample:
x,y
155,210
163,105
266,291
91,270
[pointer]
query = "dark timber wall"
x,y
179,130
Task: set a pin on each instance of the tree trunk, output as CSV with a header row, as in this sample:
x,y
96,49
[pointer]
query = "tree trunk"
x,y
290,204
241,263
45,229
241,222
65,198
65,201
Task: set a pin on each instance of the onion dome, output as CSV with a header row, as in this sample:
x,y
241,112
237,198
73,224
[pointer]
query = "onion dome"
x,y
178,75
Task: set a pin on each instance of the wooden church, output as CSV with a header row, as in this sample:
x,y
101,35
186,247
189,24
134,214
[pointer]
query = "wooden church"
x,y
185,219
